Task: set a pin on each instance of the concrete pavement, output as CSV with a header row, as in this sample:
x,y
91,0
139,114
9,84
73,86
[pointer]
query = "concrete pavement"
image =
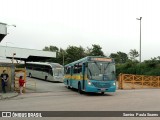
x,y
8,95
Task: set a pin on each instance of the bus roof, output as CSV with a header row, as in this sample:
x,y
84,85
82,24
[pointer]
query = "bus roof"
x,y
45,63
92,58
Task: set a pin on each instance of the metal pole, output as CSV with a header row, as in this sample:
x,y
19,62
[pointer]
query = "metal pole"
x,y
140,40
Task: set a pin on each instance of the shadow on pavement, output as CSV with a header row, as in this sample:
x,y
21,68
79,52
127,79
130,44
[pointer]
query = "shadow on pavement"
x,y
89,93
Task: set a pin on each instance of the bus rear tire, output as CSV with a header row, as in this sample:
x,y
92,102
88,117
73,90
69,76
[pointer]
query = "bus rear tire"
x,y
68,85
79,88
30,75
45,78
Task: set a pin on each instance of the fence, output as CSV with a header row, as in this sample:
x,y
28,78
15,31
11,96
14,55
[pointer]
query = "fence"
x,y
129,81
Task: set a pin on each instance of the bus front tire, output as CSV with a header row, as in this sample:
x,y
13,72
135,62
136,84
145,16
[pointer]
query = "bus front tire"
x,y
102,93
79,88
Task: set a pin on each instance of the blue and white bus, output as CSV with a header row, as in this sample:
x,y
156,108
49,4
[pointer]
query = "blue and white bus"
x,y
91,74
45,70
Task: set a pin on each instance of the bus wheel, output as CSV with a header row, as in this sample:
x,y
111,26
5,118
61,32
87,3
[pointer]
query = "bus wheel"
x,y
68,85
102,93
30,75
79,88
45,78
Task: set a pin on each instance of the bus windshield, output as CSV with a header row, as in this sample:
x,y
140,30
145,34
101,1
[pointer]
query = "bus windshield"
x,y
58,71
101,71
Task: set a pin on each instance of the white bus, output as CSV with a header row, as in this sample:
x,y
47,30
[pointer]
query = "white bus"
x,y
45,70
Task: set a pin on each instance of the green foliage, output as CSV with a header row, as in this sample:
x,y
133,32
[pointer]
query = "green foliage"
x,y
133,54
123,63
149,67
96,50
51,48
115,56
119,57
74,53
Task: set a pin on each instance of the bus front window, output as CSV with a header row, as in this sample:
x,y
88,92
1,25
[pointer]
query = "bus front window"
x,y
101,71
58,72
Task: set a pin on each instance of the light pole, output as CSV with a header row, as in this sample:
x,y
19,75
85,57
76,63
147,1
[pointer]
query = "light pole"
x,y
12,67
140,39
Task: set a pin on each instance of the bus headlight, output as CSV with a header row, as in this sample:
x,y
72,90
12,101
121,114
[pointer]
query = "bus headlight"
x,y
89,83
114,83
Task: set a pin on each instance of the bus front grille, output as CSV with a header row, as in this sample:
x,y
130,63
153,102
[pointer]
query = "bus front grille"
x,y
101,85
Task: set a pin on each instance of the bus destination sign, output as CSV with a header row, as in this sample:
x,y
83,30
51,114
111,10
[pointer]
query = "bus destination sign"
x,y
101,59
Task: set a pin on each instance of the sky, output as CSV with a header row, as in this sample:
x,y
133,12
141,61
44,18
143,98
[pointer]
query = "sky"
x,y
111,24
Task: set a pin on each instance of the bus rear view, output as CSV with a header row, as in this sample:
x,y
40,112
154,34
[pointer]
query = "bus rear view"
x,y
91,74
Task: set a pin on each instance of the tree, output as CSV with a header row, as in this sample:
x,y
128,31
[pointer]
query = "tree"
x,y
62,56
119,57
51,48
74,53
96,50
115,56
88,51
133,54
122,57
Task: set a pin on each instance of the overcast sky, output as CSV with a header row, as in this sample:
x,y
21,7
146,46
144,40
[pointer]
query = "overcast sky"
x,y
110,23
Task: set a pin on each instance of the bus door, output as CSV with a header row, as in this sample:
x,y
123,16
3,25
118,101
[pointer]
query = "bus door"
x,y
83,74
71,78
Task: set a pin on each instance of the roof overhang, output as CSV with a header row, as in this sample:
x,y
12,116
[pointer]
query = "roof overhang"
x,y
26,54
3,30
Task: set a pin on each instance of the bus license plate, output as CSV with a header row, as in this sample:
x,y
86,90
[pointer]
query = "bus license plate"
x,y
103,89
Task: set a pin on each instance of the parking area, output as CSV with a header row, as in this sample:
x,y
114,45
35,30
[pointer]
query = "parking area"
x,y
55,96
34,85
51,96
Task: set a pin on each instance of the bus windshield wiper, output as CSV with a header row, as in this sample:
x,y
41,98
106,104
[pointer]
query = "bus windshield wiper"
x,y
106,67
90,72
98,66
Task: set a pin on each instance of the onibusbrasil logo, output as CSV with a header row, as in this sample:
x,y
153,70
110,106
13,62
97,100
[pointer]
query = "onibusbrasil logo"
x,y
21,114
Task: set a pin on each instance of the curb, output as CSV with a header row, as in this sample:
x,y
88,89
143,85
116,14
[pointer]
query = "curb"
x,y
8,97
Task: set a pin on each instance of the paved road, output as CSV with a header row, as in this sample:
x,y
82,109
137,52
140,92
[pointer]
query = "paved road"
x,y
56,97
43,86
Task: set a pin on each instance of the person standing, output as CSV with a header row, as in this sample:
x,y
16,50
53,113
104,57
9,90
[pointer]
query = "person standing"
x,y
21,84
4,77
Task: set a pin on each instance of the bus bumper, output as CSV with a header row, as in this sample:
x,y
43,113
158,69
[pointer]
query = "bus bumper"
x,y
97,90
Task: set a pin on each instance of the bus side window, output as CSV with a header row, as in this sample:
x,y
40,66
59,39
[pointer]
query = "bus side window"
x,y
50,72
80,69
67,70
77,68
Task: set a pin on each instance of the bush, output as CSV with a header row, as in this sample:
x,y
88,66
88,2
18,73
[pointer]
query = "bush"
x,y
149,67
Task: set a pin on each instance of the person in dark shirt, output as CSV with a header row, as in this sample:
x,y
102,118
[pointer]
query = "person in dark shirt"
x,y
4,77
21,84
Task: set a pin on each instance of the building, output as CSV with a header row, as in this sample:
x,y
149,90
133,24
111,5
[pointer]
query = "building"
x,y
10,54
3,30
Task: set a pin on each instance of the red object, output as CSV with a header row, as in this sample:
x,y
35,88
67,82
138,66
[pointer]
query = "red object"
x,y
21,82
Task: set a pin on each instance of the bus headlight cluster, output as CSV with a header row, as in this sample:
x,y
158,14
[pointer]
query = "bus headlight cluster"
x,y
89,83
114,83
